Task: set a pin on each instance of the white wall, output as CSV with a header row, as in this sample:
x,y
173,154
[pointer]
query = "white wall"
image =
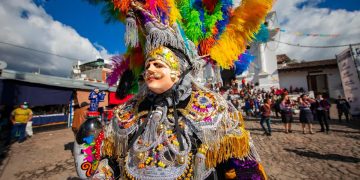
x,y
334,82
299,79
294,79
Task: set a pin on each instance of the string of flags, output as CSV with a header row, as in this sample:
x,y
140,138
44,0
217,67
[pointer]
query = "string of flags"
x,y
307,34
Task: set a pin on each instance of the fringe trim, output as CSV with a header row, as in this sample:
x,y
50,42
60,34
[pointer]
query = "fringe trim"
x,y
262,171
109,147
131,33
160,37
238,117
231,146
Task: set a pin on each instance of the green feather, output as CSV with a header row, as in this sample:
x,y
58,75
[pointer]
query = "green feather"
x,y
210,20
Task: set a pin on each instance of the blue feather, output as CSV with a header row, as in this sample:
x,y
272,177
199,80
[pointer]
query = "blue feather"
x,y
243,63
89,139
221,25
263,34
182,33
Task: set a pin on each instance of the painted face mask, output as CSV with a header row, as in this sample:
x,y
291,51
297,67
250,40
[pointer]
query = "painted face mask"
x,y
161,70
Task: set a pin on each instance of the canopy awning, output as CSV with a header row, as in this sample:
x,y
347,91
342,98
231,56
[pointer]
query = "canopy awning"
x,y
15,92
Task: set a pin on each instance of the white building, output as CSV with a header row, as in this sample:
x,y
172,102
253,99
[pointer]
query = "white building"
x,y
320,76
263,71
96,71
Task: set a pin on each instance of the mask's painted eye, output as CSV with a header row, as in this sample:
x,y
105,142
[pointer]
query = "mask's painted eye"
x,y
158,65
147,66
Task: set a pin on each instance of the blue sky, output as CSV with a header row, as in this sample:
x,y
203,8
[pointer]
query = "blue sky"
x,y
87,20
349,5
76,30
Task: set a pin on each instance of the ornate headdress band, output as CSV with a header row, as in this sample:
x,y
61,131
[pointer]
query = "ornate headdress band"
x,y
165,55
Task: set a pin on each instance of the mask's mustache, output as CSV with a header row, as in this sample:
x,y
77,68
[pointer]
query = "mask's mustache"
x,y
154,75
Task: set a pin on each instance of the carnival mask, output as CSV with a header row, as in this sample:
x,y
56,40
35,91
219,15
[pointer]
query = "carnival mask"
x,y
161,70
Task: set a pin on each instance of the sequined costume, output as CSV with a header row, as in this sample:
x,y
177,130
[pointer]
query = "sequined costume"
x,y
143,138
174,127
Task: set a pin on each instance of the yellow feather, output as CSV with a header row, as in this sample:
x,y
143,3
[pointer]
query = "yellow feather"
x,y
174,12
243,24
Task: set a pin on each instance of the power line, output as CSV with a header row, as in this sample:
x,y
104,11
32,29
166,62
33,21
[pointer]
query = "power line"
x,y
308,46
41,51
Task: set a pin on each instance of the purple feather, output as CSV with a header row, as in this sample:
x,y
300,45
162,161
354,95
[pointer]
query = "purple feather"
x,y
120,64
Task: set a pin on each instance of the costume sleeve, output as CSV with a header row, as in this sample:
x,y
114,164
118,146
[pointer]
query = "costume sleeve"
x,y
225,144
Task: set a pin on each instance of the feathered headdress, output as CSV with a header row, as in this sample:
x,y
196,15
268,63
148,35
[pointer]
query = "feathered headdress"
x,y
199,28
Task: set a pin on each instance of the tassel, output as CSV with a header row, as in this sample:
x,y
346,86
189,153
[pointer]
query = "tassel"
x,y
230,146
199,164
161,37
131,32
199,167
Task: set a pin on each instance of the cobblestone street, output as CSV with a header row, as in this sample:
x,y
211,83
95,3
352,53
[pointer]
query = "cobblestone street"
x,y
336,155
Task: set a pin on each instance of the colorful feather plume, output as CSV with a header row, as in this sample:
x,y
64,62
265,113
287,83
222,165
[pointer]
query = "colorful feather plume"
x,y
218,31
245,21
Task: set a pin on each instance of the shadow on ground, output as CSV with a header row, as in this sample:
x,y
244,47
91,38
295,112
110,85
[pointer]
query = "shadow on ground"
x,y
69,146
334,157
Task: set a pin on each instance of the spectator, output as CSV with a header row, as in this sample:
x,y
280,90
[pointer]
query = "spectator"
x,y
265,116
247,107
321,108
20,116
277,107
343,107
328,105
257,105
296,90
286,113
80,115
306,115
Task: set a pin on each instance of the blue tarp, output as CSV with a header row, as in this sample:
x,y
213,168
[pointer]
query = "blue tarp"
x,y
15,92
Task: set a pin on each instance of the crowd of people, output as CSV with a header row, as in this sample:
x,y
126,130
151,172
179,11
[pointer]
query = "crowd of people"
x,y
278,103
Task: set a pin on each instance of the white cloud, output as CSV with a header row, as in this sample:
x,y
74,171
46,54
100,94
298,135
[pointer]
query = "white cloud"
x,y
25,24
311,19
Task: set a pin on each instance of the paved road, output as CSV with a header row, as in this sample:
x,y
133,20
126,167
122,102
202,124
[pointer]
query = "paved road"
x,y
285,156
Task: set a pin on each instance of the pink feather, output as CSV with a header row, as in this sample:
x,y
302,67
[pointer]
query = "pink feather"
x,y
120,64
89,158
88,150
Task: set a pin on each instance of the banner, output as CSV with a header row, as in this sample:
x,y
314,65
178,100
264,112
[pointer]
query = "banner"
x,y
349,72
308,34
